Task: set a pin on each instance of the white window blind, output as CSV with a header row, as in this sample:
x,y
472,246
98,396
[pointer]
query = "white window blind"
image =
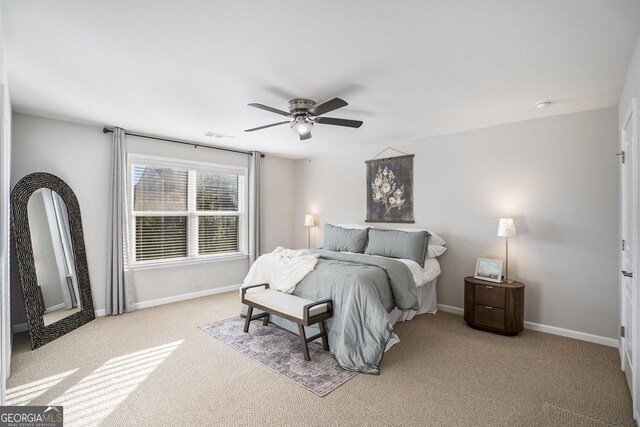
x,y
185,211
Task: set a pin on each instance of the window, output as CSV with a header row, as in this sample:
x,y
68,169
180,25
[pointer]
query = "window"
x,y
186,211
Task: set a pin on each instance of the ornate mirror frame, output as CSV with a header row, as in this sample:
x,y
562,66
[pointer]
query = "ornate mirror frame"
x,y
39,333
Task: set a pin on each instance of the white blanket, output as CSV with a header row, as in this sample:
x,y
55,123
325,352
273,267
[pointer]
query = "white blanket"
x,y
282,269
424,275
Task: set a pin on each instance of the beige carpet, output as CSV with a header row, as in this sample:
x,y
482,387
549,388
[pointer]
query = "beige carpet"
x,y
155,367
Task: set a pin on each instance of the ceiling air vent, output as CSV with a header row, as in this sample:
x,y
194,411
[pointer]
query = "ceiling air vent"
x,y
216,135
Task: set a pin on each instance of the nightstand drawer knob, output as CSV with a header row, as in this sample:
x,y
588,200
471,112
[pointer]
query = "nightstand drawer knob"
x,y
490,308
489,287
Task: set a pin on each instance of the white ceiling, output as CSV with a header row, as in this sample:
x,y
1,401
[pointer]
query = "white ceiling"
x,y
408,69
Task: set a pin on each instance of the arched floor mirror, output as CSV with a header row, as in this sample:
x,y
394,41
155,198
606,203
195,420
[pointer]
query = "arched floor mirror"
x,y
52,263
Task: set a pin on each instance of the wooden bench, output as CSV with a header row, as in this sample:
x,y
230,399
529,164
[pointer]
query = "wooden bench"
x,y
300,310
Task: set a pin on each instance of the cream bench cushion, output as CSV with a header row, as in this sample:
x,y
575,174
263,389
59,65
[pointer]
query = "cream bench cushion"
x,y
288,304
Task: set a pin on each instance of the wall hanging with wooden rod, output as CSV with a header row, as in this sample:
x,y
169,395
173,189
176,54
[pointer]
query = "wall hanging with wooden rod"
x,y
390,188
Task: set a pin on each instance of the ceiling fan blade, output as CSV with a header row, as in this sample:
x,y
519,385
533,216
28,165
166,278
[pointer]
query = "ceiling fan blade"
x,y
330,105
305,136
267,126
267,108
339,122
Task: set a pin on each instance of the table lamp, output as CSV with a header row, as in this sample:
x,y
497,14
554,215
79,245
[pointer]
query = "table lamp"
x,y
309,221
506,229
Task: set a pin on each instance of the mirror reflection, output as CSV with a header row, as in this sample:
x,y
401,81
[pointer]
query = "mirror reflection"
x,y
53,256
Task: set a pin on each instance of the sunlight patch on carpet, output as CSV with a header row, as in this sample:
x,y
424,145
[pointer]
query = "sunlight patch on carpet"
x,y
23,394
92,399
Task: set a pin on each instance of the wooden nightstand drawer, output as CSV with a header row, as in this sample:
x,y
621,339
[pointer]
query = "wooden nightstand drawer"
x,y
493,296
494,307
489,316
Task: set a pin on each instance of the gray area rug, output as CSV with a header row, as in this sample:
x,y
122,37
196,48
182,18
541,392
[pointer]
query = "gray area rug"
x,y
281,351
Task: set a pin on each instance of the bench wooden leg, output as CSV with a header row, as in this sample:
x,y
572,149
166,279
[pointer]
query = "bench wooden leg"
x,y
247,322
303,341
323,331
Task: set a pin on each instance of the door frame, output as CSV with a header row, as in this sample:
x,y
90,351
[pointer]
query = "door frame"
x,y
5,306
631,115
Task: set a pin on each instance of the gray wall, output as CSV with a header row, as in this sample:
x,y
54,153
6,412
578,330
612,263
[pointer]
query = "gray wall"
x,y
81,155
558,177
277,211
165,282
631,85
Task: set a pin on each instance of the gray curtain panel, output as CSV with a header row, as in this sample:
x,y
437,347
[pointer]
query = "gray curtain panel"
x,y
120,288
254,206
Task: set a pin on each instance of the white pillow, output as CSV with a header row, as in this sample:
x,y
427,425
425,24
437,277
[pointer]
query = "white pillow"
x,y
433,240
434,251
354,226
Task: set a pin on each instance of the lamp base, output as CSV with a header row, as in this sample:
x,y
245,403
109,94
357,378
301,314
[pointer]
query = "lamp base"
x,y
507,281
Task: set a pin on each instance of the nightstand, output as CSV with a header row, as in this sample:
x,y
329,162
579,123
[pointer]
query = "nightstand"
x,y
494,307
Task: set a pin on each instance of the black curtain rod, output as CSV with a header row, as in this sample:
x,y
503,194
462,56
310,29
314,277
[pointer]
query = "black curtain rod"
x,y
175,141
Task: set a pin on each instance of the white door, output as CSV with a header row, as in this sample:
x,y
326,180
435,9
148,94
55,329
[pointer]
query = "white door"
x,y
5,315
628,221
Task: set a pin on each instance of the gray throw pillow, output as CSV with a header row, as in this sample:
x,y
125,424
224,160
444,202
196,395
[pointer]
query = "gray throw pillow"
x,y
344,240
399,244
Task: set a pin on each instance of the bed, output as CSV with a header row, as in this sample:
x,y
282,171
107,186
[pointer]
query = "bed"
x,y
370,292
426,279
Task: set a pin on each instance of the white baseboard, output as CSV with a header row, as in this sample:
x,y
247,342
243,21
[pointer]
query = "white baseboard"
x,y
450,309
20,327
583,336
183,297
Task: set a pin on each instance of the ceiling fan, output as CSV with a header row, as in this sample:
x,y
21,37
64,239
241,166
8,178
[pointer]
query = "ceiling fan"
x,y
305,114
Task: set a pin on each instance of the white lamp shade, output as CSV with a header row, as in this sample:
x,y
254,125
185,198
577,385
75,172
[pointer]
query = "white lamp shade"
x,y
309,221
506,227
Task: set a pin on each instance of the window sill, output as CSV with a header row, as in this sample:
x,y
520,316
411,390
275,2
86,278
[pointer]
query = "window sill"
x,y
182,262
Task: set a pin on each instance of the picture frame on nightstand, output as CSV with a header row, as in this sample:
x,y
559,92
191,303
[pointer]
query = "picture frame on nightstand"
x,y
489,270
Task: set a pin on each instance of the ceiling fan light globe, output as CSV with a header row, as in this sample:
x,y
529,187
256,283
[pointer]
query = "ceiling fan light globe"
x,y
301,126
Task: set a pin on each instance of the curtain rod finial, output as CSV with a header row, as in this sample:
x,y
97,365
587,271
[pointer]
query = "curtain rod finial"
x,y
105,130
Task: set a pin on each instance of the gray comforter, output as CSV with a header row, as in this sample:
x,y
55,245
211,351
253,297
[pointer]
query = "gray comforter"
x,y
363,289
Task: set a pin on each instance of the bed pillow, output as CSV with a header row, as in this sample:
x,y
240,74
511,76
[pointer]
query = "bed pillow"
x,y
354,226
398,244
344,240
434,251
434,239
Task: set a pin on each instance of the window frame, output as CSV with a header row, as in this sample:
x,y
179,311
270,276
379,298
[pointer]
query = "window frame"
x,y
192,214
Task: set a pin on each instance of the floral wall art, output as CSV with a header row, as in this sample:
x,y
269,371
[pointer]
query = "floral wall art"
x,y
390,189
